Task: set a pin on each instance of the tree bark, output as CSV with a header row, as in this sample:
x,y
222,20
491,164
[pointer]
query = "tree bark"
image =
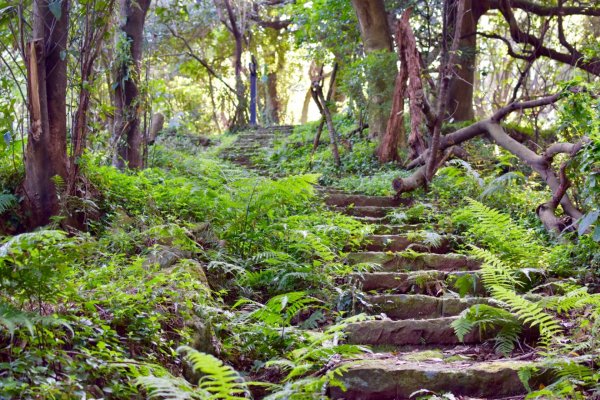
x,y
127,135
447,70
376,36
327,102
460,92
46,153
156,125
90,48
317,94
240,118
273,105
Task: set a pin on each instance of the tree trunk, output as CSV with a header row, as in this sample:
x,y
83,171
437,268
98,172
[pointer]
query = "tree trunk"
x,y
273,105
388,147
305,105
240,119
157,124
46,154
460,92
313,74
376,37
317,94
127,134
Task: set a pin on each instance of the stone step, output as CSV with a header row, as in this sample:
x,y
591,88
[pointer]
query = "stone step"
x,y
394,379
255,139
239,154
417,282
366,211
244,148
340,199
385,229
408,332
402,242
370,220
419,306
397,262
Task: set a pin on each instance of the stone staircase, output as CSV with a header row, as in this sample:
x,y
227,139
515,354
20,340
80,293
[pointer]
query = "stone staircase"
x,y
249,142
415,350
414,344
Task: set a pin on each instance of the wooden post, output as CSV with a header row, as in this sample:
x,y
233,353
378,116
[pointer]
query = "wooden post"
x,y
253,92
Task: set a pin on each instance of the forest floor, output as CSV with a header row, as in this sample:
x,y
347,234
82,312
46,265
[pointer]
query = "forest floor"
x,y
274,275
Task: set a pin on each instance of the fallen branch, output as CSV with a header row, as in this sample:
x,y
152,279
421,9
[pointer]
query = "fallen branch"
x,y
542,164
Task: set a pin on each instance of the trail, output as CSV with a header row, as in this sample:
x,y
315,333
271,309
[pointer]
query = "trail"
x,y
414,344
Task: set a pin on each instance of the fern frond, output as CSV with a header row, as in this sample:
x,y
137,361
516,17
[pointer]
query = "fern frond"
x,y
470,170
498,232
12,319
59,183
494,271
506,327
169,388
279,310
462,326
506,338
7,201
220,380
576,298
529,312
502,182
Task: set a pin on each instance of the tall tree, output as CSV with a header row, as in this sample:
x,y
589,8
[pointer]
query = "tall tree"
x,y
127,135
460,92
46,154
236,26
376,37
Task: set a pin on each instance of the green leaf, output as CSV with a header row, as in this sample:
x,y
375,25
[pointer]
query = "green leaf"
x,y
587,221
55,8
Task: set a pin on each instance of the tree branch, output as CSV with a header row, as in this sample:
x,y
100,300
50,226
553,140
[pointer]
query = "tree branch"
x,y
202,62
548,11
574,58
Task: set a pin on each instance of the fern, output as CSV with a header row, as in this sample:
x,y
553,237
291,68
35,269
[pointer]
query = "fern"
x,y
502,182
463,325
500,234
529,312
279,310
575,298
469,169
571,377
169,388
494,271
320,349
464,284
219,381
7,201
428,238
487,318
59,184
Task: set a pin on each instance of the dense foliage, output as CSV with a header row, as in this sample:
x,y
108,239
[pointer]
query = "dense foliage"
x,y
140,258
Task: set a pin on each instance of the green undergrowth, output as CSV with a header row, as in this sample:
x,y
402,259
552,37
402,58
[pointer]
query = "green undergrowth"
x,y
192,251
544,285
359,171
